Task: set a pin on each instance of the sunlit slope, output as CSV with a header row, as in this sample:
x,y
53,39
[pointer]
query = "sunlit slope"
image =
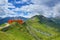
x,y
45,28
19,32
36,28
4,36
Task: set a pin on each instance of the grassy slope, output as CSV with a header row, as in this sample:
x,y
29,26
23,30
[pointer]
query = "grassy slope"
x,y
46,27
2,25
4,36
43,30
19,32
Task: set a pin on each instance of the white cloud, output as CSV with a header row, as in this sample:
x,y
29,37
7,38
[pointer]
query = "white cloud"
x,y
2,2
48,11
33,9
38,9
40,2
24,0
56,10
18,2
10,5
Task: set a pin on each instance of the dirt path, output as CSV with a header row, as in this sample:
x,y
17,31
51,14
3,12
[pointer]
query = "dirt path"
x,y
4,26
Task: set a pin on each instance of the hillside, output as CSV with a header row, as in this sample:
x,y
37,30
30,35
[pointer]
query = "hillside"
x,y
18,31
45,28
5,36
36,28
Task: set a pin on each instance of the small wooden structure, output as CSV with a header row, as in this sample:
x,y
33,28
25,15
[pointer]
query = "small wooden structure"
x,y
19,21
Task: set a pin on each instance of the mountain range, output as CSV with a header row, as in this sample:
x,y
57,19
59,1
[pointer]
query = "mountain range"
x,y
35,28
5,20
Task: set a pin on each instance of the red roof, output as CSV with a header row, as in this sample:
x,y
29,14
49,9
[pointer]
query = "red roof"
x,y
19,21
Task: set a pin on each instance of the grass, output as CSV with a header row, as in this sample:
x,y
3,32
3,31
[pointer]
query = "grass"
x,y
5,36
19,32
2,25
43,30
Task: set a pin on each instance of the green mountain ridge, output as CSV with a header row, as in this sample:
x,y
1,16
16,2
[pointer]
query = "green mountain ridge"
x,y
36,28
45,25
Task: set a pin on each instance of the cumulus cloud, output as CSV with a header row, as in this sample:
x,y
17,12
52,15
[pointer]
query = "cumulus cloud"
x,y
24,0
39,7
56,10
53,11
21,1
2,2
10,5
40,2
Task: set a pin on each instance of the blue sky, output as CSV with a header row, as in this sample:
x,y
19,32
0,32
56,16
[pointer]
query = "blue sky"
x,y
19,4
30,8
